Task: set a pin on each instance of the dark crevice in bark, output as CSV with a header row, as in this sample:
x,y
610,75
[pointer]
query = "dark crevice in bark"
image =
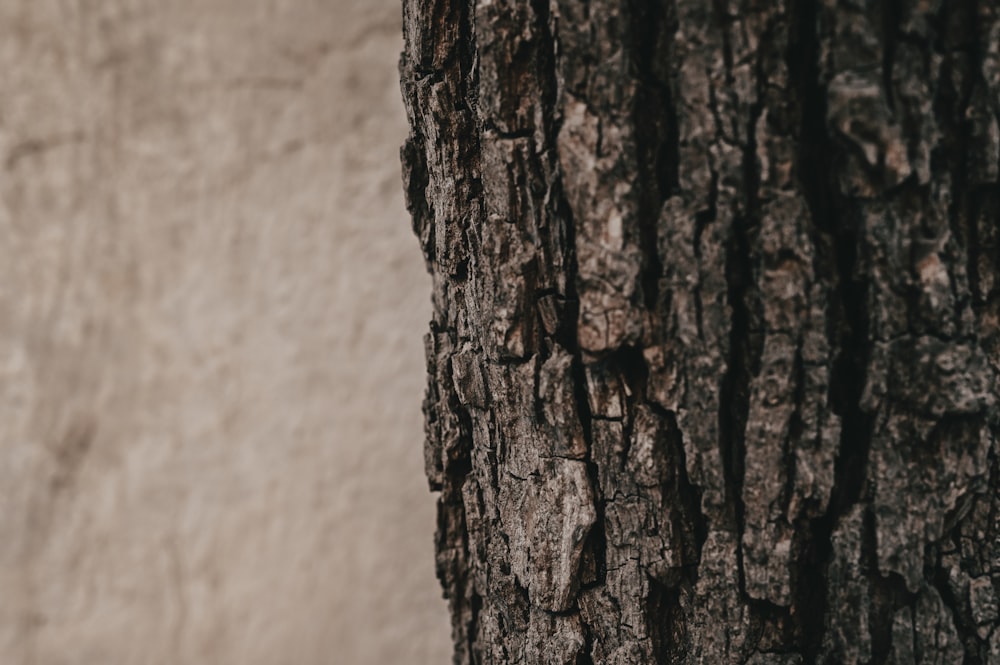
x,y
546,64
490,127
571,612
668,153
662,608
847,327
538,402
734,403
597,538
832,217
475,605
511,361
813,164
468,61
584,656
593,550
628,421
734,391
776,631
812,551
630,364
724,23
888,594
595,544
891,15
848,379
415,183
649,31
956,149
806,621
461,271
694,524
460,466
454,578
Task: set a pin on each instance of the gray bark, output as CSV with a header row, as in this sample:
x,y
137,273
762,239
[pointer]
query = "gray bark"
x,y
713,363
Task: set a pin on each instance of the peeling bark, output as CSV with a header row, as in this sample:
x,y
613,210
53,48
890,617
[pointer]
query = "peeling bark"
x,y
713,363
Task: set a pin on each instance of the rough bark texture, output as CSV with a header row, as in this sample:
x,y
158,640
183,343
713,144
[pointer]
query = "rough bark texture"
x,y
715,341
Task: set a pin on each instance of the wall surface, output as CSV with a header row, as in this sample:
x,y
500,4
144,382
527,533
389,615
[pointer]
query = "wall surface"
x,y
211,313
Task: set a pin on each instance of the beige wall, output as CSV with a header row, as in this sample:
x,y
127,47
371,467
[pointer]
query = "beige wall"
x,y
211,310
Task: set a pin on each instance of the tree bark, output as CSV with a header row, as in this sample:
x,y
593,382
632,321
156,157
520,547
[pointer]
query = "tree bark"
x,y
713,363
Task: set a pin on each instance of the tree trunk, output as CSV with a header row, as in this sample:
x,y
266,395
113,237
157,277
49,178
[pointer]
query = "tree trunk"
x,y
715,341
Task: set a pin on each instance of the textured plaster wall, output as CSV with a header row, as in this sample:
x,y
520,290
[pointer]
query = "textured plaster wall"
x,y
211,310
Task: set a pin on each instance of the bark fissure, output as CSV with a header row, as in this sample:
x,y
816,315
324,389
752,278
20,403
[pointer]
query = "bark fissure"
x,y
651,37
734,398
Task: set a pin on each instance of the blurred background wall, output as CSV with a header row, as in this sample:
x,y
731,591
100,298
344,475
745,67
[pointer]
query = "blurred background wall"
x,y
211,312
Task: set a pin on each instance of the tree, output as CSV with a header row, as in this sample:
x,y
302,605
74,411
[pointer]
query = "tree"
x,y
716,326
